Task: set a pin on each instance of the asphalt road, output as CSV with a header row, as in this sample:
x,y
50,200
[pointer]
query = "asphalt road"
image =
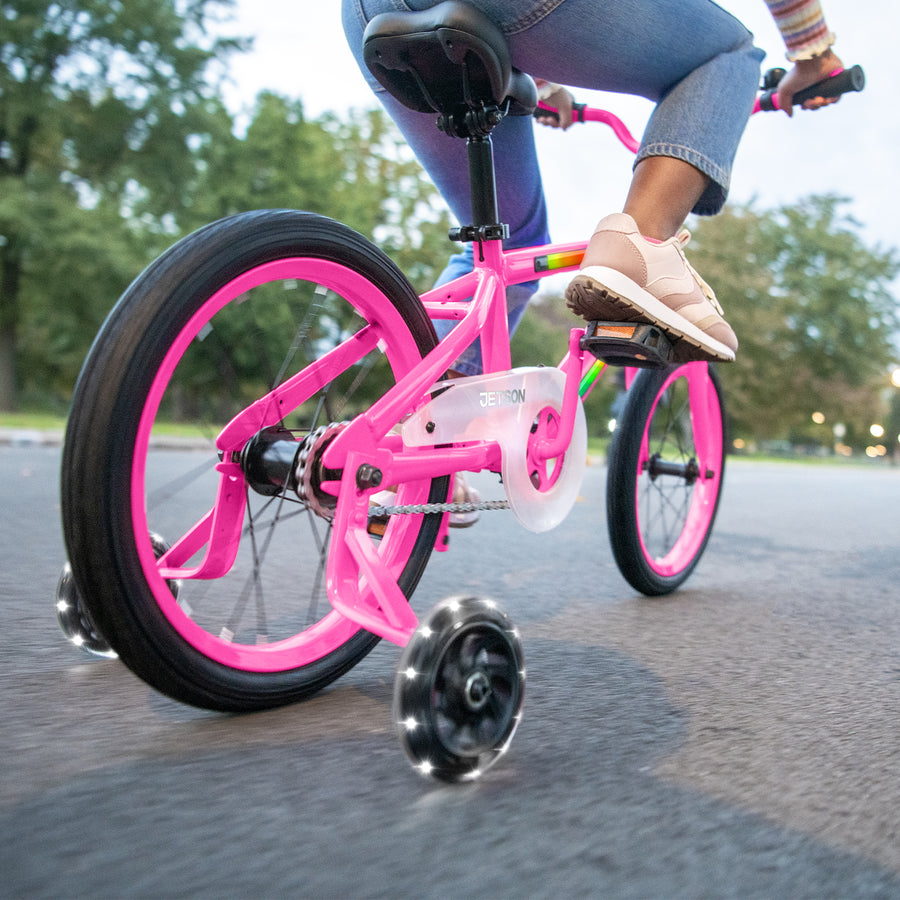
x,y
740,738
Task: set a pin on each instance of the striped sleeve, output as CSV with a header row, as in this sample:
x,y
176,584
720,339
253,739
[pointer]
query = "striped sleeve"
x,y
802,25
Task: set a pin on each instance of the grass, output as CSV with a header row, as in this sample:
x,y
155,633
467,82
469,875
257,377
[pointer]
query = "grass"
x,y
33,420
38,421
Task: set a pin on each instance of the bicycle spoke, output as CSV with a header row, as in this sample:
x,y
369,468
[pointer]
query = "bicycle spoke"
x,y
316,590
176,485
312,315
667,497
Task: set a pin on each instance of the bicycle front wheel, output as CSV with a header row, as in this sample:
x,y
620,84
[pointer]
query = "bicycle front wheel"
x,y
667,461
282,326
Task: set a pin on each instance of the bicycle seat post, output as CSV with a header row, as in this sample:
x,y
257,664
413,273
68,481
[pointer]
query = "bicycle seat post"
x,y
483,183
486,224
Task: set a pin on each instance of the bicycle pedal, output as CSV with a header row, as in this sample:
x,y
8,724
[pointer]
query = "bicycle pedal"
x,y
628,344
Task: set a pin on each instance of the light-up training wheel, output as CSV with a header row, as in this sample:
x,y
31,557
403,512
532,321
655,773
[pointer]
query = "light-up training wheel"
x,y
459,689
74,619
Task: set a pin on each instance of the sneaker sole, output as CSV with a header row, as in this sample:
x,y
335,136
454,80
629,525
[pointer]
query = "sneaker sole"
x,y
462,520
598,292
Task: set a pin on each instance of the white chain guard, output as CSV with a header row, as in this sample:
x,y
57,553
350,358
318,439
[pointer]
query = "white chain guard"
x,y
503,407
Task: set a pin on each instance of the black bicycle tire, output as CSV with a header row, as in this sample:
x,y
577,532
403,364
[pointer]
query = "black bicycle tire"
x,y
622,486
106,405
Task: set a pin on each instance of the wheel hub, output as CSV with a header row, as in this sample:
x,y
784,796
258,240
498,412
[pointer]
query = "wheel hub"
x,y
273,461
689,470
267,460
478,691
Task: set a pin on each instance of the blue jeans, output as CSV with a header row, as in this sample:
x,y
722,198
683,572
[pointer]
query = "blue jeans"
x,y
696,61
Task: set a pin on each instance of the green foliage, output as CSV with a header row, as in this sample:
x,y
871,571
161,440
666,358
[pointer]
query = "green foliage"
x,y
385,195
355,170
89,260
98,101
813,309
114,142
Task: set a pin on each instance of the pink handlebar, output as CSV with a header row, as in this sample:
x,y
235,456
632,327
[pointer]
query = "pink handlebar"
x,y
584,113
838,82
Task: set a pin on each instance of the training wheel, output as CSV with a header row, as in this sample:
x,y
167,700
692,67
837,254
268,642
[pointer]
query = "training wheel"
x,y
74,619
459,689
73,616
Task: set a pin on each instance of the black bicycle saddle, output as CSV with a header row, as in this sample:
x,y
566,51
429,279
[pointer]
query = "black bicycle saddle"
x,y
446,59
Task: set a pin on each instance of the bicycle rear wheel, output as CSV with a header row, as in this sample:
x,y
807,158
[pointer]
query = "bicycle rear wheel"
x,y
285,325
667,461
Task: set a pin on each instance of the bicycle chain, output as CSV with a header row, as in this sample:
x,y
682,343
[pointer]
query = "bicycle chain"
x,y
380,512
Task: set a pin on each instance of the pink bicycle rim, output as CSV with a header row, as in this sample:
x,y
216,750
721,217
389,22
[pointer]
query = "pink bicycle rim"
x,y
333,629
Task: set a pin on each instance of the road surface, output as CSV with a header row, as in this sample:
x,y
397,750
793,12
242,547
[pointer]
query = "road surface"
x,y
740,738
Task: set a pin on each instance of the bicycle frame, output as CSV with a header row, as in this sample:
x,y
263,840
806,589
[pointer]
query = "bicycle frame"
x,y
354,576
368,441
353,567
358,583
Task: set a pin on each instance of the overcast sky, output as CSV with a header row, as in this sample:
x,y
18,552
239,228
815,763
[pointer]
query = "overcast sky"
x,y
852,148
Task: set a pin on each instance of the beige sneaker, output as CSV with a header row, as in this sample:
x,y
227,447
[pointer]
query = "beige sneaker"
x,y
626,278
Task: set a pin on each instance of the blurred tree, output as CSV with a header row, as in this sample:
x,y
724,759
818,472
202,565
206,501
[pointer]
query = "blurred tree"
x,y
400,208
98,103
355,169
813,309
85,259
892,433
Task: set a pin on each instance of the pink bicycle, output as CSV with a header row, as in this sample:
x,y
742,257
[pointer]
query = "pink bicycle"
x,y
243,563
